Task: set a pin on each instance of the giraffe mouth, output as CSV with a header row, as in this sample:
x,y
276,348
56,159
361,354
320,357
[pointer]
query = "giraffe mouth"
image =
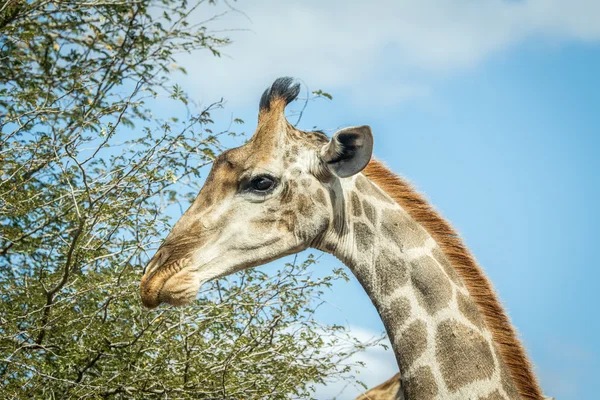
x,y
175,284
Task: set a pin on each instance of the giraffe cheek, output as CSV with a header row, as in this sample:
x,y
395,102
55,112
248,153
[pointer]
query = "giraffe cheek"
x,y
307,230
286,221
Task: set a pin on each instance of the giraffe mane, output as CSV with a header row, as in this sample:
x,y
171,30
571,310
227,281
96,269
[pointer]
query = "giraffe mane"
x,y
480,288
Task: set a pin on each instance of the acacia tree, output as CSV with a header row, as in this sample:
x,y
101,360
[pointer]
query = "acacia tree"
x,y
87,171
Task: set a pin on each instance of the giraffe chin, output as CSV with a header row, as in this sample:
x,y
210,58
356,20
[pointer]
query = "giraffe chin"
x,y
177,289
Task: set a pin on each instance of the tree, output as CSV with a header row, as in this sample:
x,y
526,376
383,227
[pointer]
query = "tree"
x,y
87,171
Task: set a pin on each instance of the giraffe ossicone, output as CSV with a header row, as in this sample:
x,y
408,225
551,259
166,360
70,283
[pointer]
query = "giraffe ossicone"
x,y
286,190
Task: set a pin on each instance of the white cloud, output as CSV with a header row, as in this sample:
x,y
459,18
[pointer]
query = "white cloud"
x,y
366,45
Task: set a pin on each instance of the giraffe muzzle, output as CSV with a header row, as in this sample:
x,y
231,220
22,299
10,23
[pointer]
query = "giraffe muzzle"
x,y
171,283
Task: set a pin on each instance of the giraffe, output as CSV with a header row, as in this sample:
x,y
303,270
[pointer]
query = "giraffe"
x,y
286,190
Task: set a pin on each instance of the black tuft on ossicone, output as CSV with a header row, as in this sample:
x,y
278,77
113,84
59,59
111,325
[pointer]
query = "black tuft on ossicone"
x,y
284,88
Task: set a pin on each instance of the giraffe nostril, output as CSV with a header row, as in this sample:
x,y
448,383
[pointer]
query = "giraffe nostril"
x,y
148,266
162,255
159,259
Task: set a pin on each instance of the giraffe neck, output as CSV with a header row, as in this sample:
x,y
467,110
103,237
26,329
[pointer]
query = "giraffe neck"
x,y
441,343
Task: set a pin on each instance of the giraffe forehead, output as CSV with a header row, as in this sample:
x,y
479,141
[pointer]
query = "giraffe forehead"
x,y
237,162
279,138
295,147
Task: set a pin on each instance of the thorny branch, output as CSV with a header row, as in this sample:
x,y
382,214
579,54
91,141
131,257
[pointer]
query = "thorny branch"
x,y
91,169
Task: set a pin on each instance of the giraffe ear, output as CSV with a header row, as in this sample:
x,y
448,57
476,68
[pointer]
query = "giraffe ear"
x,y
349,151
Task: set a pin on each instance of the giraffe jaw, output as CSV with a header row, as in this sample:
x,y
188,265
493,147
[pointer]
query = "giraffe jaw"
x,y
178,283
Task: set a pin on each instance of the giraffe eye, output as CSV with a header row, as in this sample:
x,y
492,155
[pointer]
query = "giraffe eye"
x,y
262,183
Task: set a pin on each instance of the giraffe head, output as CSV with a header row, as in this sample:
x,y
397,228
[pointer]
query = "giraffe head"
x,y
273,196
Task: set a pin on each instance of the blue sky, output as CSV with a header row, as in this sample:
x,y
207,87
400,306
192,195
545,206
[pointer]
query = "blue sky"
x,y
490,108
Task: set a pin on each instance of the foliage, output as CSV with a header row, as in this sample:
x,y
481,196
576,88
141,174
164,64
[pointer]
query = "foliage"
x,y
88,173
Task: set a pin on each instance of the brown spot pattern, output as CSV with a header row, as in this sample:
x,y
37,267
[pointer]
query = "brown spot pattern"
x,y
365,277
441,258
392,223
421,385
363,237
411,343
468,308
369,211
304,205
356,207
432,288
392,271
396,313
320,196
463,354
